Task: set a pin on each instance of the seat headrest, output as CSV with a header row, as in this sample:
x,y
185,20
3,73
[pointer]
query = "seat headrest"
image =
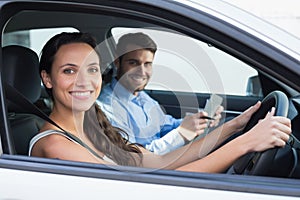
x,y
21,70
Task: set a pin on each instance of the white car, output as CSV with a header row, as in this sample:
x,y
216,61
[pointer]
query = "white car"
x,y
205,47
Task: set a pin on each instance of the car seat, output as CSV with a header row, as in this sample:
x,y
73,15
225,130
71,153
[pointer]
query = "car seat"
x,y
20,70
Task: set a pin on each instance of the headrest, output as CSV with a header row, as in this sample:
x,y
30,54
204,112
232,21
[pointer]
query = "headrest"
x,y
21,70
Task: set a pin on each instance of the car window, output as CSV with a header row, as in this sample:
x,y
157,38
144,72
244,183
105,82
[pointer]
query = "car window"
x,y
33,39
198,67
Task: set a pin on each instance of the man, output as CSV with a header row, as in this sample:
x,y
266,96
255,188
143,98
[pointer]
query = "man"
x,y
130,108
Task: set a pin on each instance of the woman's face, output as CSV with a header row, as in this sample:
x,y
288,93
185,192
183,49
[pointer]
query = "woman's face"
x,y
75,77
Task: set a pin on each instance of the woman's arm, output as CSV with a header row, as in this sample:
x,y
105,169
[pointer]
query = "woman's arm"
x,y
190,152
270,132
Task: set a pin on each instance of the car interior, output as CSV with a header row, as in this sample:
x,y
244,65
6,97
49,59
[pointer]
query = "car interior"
x,y
27,81
20,70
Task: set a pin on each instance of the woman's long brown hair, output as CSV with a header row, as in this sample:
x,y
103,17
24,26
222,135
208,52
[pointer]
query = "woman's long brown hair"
x,y
108,139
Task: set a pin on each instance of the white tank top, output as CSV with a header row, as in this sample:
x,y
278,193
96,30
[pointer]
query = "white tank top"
x,y
50,132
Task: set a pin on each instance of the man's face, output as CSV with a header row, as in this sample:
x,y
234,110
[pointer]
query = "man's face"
x,y
135,69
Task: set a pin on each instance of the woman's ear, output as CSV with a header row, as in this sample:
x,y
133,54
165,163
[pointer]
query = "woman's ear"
x,y
46,79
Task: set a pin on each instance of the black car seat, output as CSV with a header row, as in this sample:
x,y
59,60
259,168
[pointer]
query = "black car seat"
x,y
20,70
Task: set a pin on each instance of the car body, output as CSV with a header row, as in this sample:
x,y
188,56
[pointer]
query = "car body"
x,y
206,46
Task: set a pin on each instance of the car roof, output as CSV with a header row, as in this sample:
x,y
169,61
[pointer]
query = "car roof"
x,y
252,24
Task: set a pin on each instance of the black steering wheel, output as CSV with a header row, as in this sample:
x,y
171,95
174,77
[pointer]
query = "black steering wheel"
x,y
258,163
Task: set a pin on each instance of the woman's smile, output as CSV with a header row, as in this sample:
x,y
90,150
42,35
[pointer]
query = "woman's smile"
x,y
81,95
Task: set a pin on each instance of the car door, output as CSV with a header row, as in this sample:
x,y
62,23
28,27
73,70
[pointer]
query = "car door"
x,y
23,177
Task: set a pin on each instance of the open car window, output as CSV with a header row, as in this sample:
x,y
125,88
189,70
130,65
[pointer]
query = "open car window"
x,y
186,70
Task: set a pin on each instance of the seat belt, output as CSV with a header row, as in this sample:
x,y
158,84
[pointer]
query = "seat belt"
x,y
18,98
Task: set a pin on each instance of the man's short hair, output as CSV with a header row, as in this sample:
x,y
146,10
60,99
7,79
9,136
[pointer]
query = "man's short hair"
x,y
138,39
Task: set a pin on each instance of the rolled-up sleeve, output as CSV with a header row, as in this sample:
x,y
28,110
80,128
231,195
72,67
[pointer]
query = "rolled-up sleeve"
x,y
167,143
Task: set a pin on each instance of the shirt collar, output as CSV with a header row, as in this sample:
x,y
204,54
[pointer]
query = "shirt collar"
x,y
120,91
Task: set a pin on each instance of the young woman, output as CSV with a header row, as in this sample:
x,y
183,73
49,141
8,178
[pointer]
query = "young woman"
x,y
70,70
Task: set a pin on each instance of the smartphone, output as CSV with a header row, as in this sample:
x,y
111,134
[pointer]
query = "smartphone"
x,y
211,107
212,104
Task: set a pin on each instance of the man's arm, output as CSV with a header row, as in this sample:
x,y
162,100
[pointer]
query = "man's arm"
x,y
169,142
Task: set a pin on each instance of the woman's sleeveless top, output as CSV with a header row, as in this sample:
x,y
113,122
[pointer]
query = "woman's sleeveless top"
x,y
50,132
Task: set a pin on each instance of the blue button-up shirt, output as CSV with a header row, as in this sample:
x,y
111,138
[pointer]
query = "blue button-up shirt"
x,y
141,117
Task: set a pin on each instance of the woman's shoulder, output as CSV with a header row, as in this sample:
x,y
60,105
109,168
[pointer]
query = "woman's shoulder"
x,y
52,133
49,138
